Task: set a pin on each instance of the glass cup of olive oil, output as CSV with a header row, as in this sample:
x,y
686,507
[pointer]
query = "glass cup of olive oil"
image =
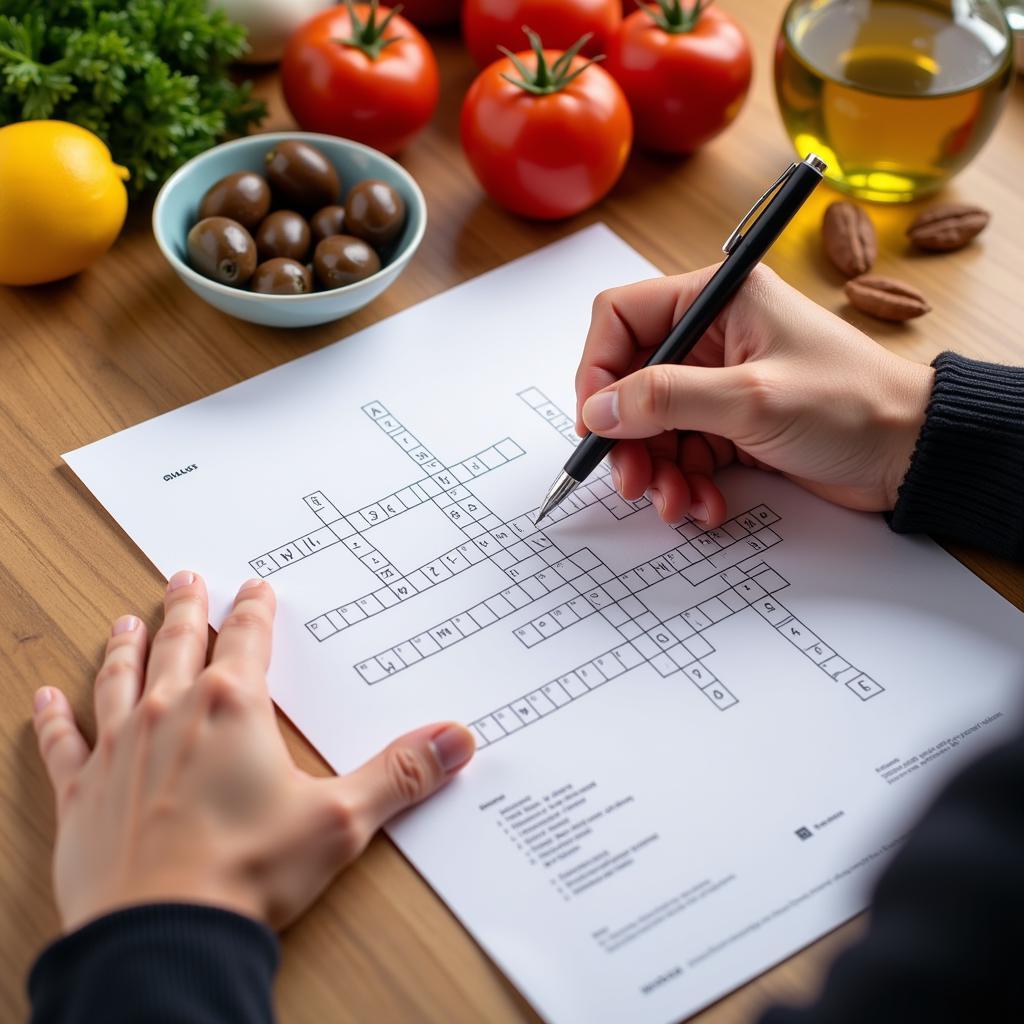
x,y
896,95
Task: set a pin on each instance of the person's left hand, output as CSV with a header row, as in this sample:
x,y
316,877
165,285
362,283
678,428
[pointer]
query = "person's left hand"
x,y
189,794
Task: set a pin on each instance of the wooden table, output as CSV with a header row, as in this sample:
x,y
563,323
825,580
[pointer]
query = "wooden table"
x,y
126,341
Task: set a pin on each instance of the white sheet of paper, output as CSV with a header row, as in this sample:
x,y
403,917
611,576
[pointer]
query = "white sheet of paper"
x,y
697,747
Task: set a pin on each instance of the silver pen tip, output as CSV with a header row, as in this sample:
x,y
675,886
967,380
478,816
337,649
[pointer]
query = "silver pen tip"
x,y
560,490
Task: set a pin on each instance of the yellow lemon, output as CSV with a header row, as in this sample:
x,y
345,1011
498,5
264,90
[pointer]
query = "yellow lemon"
x,y
62,200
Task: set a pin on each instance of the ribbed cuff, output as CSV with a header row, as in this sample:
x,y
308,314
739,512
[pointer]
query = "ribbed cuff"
x,y
165,963
966,477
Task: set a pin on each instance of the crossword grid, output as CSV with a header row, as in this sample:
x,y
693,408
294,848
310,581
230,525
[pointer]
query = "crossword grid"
x,y
488,536
549,570
677,645
537,567
547,410
337,527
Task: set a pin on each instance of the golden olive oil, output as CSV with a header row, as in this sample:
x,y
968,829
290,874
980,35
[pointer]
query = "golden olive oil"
x,y
896,96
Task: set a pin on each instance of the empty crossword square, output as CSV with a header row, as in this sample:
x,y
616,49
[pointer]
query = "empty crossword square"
x,y
697,646
632,607
586,559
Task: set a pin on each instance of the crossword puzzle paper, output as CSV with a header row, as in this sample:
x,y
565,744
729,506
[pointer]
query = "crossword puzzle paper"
x,y
697,747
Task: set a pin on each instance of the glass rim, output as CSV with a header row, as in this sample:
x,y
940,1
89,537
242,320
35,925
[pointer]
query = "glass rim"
x,y
1003,63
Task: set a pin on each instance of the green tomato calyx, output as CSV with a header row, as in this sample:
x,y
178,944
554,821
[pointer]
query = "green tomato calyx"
x,y
368,35
544,80
672,17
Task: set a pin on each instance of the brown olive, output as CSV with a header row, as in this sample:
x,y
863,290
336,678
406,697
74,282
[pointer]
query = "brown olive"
x,y
221,249
301,176
342,259
330,220
282,276
283,233
374,212
243,196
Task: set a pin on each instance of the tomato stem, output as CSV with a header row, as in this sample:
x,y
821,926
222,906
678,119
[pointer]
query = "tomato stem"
x,y
544,80
368,35
671,16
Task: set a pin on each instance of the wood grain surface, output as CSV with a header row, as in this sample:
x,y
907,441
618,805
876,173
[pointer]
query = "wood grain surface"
x,y
125,341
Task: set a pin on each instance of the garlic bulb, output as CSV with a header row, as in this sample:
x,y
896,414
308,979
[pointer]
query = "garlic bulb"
x,y
269,23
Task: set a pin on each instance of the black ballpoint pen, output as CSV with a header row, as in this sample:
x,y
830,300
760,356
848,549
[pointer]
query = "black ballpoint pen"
x,y
744,249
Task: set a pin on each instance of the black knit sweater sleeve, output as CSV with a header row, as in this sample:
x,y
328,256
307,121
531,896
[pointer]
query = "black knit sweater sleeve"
x,y
167,963
966,478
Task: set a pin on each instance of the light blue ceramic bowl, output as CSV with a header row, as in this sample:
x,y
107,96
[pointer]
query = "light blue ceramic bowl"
x,y
177,208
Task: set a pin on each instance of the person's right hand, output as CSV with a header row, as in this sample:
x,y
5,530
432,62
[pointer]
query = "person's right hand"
x,y
777,382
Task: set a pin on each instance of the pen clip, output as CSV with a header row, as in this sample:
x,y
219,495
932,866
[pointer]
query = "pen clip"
x,y
737,236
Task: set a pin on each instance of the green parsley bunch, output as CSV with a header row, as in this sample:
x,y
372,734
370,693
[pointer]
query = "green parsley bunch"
x,y
149,77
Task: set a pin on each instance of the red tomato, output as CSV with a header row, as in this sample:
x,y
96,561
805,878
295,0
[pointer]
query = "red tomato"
x,y
546,155
684,85
488,24
374,81
428,13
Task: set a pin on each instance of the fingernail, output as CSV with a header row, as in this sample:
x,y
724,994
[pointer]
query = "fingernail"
x,y
601,411
181,579
249,584
42,698
125,624
699,511
656,499
453,747
616,480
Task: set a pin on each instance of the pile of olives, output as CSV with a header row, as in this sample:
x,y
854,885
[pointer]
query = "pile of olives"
x,y
239,241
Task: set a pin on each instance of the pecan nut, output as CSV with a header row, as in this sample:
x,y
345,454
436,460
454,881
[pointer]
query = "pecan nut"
x,y
849,238
947,226
886,298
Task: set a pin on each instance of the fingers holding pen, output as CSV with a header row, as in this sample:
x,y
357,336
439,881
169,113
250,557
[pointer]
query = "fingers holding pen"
x,y
631,469
669,491
674,491
669,397
627,323
589,381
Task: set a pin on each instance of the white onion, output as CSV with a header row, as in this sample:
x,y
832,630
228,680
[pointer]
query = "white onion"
x,y
269,23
